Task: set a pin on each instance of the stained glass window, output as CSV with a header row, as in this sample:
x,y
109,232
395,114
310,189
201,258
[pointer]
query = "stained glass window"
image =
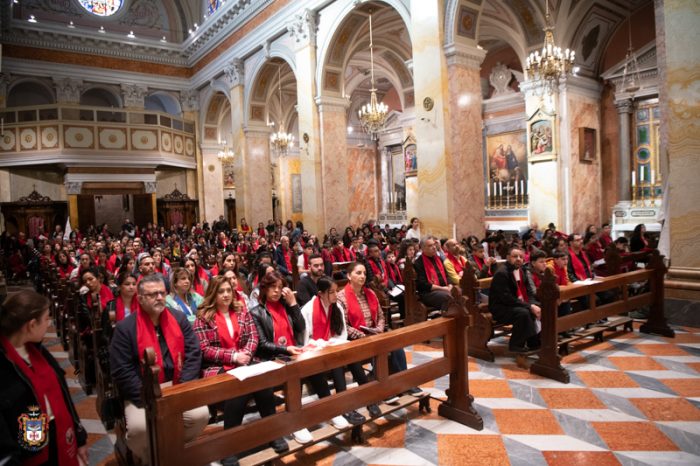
x,y
213,5
102,7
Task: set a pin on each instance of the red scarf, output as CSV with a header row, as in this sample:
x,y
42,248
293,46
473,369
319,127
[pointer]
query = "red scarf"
x,y
306,262
522,289
120,308
342,255
456,262
106,296
287,254
394,273
536,279
46,384
576,263
430,271
321,321
282,331
355,317
562,277
174,339
227,340
378,269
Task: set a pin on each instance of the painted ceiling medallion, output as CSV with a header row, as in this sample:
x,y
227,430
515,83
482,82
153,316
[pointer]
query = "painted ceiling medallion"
x,y
102,7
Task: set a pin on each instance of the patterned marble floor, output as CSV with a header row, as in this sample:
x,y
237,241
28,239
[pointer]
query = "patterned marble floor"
x,y
633,400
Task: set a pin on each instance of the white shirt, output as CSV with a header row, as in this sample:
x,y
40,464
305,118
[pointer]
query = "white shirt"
x,y
307,313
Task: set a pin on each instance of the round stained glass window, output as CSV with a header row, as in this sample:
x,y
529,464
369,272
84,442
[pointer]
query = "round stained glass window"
x,y
102,7
643,155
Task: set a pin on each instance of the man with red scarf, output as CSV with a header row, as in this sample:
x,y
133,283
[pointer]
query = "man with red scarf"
x,y
512,301
454,263
284,258
579,268
431,277
178,355
306,288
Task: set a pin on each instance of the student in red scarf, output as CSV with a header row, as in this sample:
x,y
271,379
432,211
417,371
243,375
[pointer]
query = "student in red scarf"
x,y
325,321
228,339
455,263
340,253
485,266
512,301
31,377
431,277
280,326
63,264
178,355
303,266
284,257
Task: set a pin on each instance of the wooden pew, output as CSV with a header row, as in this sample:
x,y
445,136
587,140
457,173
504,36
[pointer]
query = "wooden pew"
x,y
107,404
415,310
164,407
549,362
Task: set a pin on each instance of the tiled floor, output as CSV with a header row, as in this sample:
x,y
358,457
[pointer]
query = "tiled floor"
x,y
633,399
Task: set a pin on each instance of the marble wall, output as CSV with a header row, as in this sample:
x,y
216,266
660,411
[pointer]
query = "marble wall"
x,y
465,160
170,179
212,186
362,186
46,182
336,167
609,153
585,178
258,182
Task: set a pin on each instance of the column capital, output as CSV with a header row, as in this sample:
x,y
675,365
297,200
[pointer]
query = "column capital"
x,y
235,73
303,27
624,106
68,90
189,99
73,187
150,186
332,104
134,95
464,55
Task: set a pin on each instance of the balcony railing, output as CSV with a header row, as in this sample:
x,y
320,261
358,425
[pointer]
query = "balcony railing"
x,y
78,130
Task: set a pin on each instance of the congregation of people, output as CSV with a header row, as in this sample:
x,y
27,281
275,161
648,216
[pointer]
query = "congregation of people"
x,y
209,299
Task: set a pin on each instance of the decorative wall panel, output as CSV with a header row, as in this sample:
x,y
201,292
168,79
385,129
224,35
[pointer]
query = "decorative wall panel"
x,y
28,139
142,139
166,142
49,137
78,137
112,138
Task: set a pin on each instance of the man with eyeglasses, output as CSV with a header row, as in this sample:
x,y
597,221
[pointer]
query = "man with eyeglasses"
x,y
178,355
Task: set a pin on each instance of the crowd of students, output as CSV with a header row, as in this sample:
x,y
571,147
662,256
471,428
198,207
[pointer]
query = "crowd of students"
x,y
212,299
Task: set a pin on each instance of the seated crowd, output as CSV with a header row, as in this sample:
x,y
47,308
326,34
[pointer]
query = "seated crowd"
x,y
208,300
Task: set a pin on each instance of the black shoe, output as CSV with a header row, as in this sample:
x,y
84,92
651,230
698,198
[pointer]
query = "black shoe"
x,y
374,410
517,349
230,461
415,391
279,445
354,418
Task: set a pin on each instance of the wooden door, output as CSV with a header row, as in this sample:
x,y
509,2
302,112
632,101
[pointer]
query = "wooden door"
x,y
86,211
143,209
231,213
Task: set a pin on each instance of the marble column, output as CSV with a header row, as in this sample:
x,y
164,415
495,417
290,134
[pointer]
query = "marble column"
x,y
430,79
73,190
189,101
624,110
334,161
679,63
465,144
303,30
234,72
258,176
212,184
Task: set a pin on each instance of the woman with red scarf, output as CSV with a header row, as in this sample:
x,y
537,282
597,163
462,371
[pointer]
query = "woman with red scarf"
x,y
34,391
63,264
228,339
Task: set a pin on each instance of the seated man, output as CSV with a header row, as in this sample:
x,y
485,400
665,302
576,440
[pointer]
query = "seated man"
x,y
512,301
431,278
177,350
539,263
455,263
579,268
306,288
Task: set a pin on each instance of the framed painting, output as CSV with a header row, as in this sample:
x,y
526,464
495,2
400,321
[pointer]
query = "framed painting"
x,y
229,180
507,157
541,136
587,145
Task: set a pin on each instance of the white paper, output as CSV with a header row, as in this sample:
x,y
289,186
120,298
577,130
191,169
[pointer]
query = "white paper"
x,y
588,281
599,262
243,372
397,290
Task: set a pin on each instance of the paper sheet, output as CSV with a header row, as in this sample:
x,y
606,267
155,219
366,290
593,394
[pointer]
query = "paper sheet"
x,y
243,372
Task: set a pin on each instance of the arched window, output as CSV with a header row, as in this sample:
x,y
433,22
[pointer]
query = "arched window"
x,y
102,7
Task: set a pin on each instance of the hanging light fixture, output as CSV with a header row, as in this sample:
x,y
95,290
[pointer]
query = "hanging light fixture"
x,y
226,154
630,76
372,115
552,64
281,140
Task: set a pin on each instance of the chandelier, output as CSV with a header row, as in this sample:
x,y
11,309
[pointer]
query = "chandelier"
x,y
630,76
281,140
552,64
372,115
226,154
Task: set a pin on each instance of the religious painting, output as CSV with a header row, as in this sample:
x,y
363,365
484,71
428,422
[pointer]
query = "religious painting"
x,y
587,145
466,27
229,180
399,171
411,160
296,193
541,136
507,157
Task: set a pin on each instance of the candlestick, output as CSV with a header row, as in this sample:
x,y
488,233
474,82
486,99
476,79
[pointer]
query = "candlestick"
x,y
516,189
500,192
634,178
652,177
508,195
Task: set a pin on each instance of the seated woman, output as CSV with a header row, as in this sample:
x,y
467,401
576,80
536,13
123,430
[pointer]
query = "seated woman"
x,y
228,338
34,382
280,326
182,297
199,283
125,303
324,321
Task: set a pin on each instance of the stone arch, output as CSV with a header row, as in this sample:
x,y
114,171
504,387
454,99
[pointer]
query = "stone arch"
x,y
44,93
326,47
164,102
255,91
214,103
103,96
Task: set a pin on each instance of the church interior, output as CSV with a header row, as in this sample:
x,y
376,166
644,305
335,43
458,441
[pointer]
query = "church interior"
x,y
474,116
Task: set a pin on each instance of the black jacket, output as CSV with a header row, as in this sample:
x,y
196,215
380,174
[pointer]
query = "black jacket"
x,y
306,290
423,285
503,293
16,395
124,359
267,348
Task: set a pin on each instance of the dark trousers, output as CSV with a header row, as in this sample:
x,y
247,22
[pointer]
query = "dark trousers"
x,y
564,309
523,324
234,409
435,299
319,382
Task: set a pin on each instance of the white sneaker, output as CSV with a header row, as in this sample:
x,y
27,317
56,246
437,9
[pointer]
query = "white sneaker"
x,y
339,422
303,436
392,400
